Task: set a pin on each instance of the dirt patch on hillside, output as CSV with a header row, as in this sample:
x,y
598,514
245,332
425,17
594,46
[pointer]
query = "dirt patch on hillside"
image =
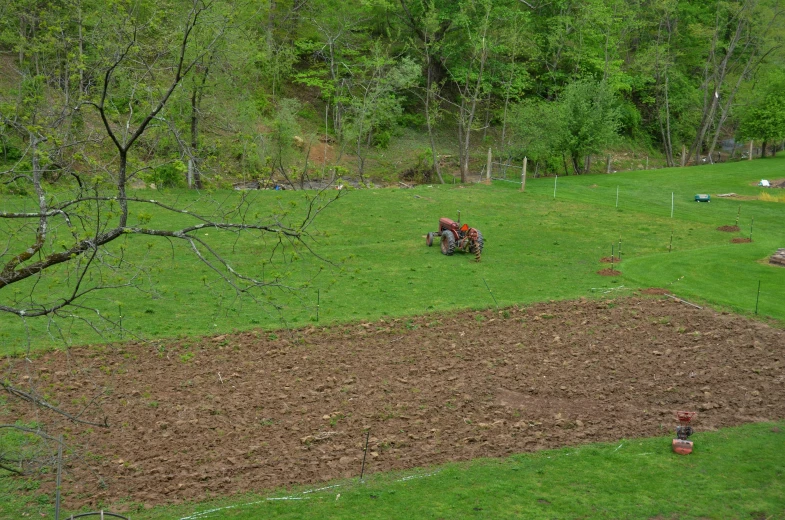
x,y
655,290
320,153
773,183
610,260
741,240
256,411
728,228
608,272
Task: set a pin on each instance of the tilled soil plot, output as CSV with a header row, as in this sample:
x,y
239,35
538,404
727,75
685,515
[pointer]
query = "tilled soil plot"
x,y
252,411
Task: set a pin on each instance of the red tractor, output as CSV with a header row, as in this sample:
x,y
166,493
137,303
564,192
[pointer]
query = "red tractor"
x,y
455,236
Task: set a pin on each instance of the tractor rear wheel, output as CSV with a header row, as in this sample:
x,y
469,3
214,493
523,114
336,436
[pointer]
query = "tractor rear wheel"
x,y
429,239
448,243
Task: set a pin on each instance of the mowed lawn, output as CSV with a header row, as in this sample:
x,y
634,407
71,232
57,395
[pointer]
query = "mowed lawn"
x,y
538,247
374,261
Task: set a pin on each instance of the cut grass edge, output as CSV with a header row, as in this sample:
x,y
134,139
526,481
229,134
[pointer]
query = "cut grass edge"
x,y
733,472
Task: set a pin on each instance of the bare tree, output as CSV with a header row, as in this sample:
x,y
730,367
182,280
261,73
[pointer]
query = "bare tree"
x,y
76,233
739,55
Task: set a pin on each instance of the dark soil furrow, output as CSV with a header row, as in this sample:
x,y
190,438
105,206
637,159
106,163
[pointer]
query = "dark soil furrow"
x,y
255,411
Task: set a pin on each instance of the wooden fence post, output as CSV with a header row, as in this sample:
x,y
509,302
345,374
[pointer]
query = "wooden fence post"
x,y
490,166
608,165
523,174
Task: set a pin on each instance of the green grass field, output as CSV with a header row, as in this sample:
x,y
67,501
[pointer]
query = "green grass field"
x,y
538,247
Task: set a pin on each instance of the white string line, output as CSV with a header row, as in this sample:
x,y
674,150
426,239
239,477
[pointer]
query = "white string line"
x,y
202,514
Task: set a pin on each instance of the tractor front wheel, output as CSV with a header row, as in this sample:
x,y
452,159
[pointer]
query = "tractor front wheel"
x,y
429,239
448,243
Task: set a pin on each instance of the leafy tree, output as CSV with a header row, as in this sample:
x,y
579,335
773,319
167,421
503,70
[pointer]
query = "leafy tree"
x,y
467,70
284,129
535,127
334,42
374,105
588,120
764,119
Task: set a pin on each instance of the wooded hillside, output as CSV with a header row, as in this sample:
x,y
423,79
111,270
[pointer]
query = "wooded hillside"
x,y
285,91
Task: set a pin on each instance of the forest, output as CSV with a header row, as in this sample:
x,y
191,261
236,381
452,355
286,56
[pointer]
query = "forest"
x,y
198,93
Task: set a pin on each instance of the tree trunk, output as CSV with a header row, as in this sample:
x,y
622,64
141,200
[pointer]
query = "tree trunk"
x,y
487,117
665,129
82,86
470,95
196,103
463,153
714,74
121,180
193,170
506,106
727,106
576,164
429,98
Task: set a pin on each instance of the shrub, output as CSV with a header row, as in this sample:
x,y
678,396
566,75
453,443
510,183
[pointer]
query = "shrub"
x,y
169,175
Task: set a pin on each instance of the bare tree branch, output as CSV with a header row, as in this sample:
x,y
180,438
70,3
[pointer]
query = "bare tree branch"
x,y
39,401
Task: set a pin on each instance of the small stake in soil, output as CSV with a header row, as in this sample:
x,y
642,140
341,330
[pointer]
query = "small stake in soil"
x,y
751,223
738,214
757,298
670,246
120,315
491,293
59,476
365,452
